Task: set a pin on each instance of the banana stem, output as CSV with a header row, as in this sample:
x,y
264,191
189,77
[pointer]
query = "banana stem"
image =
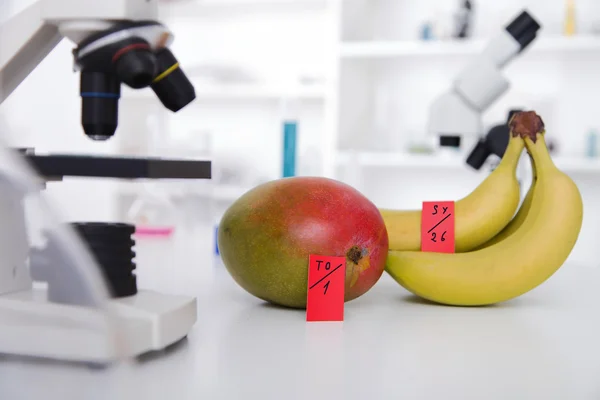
x,y
542,161
529,126
512,155
533,168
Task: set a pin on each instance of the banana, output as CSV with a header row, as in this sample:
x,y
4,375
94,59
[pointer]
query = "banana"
x,y
519,218
515,265
478,217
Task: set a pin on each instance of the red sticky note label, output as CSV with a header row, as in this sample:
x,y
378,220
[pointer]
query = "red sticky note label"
x,y
437,226
326,281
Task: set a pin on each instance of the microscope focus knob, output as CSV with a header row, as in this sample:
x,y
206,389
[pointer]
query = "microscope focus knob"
x,y
111,245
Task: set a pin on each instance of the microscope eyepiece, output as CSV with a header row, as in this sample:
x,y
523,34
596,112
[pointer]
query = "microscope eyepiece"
x,y
523,29
170,84
100,94
134,63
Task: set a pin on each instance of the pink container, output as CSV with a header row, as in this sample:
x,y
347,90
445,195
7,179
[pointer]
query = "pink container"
x,y
155,231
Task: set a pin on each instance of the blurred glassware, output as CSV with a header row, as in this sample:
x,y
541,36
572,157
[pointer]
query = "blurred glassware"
x,y
570,22
592,144
463,20
152,212
426,31
196,144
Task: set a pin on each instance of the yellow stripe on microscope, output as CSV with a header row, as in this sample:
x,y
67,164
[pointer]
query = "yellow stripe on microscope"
x,y
166,72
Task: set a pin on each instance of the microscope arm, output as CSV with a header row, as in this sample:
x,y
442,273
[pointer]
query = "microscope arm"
x,y
458,112
25,40
28,37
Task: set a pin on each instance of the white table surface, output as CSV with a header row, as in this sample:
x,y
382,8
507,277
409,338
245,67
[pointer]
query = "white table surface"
x,y
544,345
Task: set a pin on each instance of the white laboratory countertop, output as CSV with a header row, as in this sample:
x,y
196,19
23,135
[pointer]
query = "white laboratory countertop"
x,y
544,345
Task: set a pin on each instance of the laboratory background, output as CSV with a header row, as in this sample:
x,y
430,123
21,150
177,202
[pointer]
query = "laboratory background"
x,y
406,101
357,81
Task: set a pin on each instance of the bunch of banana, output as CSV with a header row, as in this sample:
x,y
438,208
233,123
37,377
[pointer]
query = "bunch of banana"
x,y
478,217
526,253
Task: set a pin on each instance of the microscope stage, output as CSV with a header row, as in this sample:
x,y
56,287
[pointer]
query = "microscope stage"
x,y
148,321
60,165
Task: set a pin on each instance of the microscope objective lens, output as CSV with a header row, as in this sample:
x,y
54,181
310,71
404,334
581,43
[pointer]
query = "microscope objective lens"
x,y
171,85
100,94
134,63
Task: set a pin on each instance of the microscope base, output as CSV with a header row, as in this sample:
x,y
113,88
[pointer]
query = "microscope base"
x,y
147,321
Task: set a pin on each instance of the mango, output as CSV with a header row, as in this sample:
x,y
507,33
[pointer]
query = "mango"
x,y
266,236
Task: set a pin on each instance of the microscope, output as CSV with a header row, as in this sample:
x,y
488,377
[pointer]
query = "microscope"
x,y
74,296
455,116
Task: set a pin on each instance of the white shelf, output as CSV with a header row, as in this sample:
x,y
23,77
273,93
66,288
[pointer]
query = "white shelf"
x,y
380,49
398,160
225,193
239,92
568,164
228,192
199,8
233,3
425,161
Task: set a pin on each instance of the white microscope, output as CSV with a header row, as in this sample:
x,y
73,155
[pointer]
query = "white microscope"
x,y
56,300
455,116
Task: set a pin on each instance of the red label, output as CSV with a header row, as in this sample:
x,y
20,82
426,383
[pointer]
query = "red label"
x,y
437,226
326,281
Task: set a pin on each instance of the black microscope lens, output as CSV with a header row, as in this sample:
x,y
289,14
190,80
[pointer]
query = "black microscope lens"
x,y
100,94
135,64
171,85
479,155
